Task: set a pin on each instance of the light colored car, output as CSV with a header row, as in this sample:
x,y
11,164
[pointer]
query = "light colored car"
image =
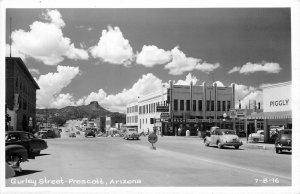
x,y
131,133
257,137
222,137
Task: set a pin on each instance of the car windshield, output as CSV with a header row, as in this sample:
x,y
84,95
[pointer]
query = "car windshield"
x,y
228,132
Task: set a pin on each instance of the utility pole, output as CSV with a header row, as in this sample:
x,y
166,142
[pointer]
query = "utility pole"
x,y
10,37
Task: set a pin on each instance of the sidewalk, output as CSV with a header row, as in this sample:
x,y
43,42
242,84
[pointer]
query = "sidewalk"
x,y
264,146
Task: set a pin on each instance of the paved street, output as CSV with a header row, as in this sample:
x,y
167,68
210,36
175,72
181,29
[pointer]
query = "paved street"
x,y
177,161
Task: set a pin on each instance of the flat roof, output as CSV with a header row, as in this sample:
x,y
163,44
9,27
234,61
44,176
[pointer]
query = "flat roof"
x,y
271,115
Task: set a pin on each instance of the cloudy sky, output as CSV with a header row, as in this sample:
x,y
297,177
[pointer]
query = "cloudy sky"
x,y
114,55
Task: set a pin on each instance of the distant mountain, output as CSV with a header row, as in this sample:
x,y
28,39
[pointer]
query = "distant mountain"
x,y
91,111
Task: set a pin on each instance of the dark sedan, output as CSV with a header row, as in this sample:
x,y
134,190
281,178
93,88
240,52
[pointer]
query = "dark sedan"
x,y
32,144
89,132
283,141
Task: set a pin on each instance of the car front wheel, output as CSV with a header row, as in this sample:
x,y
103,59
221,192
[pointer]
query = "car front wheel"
x,y
236,147
206,143
278,150
220,145
14,161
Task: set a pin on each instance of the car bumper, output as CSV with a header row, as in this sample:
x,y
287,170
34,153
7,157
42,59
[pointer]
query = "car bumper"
x,y
232,143
283,146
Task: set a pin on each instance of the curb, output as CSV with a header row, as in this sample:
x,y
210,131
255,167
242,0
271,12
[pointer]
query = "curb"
x,y
253,146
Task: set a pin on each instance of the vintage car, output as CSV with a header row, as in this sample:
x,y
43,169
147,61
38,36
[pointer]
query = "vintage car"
x,y
32,144
72,134
259,136
14,155
283,141
222,137
131,133
89,132
45,133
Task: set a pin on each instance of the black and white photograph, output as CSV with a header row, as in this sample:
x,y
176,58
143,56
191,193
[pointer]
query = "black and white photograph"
x,y
149,98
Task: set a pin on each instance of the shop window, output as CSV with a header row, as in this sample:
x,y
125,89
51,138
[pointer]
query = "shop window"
x,y
194,105
182,105
200,105
219,105
175,105
188,105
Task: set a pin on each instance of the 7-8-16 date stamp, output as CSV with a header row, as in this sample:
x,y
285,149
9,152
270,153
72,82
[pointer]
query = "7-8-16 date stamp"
x,y
267,180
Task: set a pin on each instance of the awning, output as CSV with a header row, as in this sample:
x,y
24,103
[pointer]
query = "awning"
x,y
271,115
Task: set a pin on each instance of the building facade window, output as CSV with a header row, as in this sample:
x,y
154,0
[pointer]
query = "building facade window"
x,y
228,105
175,105
207,105
188,105
200,105
212,104
194,105
219,105
182,105
223,105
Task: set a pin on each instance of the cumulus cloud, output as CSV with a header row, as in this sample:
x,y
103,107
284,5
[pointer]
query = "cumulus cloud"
x,y
51,85
36,71
188,79
219,84
117,102
45,41
62,100
268,67
245,93
180,64
151,56
113,47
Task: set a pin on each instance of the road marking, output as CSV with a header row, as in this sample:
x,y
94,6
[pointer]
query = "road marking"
x,y
171,153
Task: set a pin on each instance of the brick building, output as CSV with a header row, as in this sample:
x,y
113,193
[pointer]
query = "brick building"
x,y
20,96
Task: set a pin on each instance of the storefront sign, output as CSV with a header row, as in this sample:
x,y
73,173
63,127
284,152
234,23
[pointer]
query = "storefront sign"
x,y
164,115
277,97
162,109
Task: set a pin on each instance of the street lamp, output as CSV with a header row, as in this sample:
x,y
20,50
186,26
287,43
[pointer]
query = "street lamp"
x,y
224,119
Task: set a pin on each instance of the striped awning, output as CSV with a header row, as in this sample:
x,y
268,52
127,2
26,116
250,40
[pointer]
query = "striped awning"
x,y
271,115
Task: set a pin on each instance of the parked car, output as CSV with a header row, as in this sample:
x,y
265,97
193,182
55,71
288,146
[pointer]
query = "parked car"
x,y
45,133
283,141
41,134
131,133
222,137
32,144
89,132
72,134
14,155
259,136
78,132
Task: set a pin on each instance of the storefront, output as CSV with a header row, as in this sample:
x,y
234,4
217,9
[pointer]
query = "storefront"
x,y
277,108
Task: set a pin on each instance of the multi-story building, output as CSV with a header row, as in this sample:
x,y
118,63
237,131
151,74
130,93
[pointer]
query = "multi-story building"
x,y
20,94
132,115
178,107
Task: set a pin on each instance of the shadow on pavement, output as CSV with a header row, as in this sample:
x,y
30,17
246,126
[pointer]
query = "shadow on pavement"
x,y
286,153
27,172
42,155
227,148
